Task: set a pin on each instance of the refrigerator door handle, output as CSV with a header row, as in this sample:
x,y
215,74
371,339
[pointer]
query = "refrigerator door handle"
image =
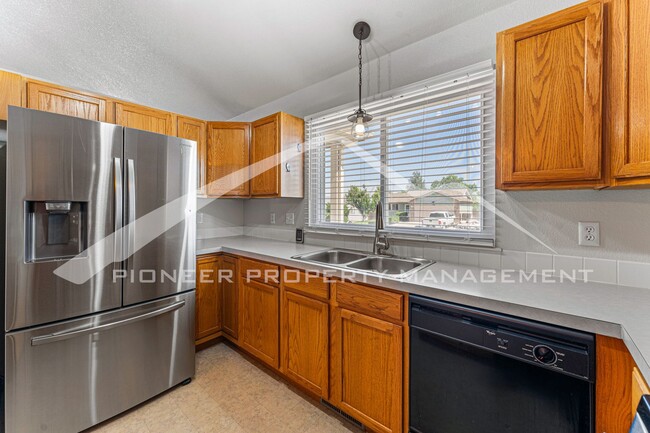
x,y
131,209
51,338
117,185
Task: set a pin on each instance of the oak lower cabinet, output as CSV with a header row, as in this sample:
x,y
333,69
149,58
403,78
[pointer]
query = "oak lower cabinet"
x,y
259,305
230,296
549,101
276,158
305,341
195,129
60,100
367,360
227,159
144,118
208,298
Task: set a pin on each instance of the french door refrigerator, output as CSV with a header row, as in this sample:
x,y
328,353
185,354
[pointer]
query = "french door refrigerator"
x,y
98,269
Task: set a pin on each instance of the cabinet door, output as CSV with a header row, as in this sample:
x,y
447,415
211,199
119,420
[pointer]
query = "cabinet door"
x,y
305,328
629,90
208,297
145,118
550,98
230,296
195,129
265,158
227,159
55,99
11,92
259,329
368,369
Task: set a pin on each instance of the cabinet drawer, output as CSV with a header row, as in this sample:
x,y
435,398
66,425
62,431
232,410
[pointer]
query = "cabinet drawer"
x,y
259,271
306,283
371,301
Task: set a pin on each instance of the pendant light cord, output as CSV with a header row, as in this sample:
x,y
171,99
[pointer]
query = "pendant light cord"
x,y
360,67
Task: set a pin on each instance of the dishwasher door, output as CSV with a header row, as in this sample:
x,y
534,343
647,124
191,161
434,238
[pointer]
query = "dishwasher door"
x,y
72,375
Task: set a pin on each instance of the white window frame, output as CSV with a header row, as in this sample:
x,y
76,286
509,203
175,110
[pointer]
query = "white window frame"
x,y
314,170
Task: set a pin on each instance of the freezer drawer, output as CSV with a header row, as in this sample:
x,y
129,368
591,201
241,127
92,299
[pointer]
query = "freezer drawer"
x,y
70,376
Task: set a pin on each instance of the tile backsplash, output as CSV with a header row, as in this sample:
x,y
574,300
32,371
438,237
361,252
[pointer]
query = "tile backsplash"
x,y
625,273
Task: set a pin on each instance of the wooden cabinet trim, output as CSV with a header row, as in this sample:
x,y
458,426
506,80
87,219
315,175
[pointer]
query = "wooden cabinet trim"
x,y
230,298
639,389
260,271
308,284
375,302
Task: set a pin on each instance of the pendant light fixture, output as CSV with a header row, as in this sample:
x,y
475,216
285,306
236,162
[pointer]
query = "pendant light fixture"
x,y
360,118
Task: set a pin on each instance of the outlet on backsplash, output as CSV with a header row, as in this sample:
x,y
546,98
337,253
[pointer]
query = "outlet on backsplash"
x,y
589,233
272,218
290,219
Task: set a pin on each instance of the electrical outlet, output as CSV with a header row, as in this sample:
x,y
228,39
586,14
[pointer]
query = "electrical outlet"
x,y
290,219
272,218
199,218
589,234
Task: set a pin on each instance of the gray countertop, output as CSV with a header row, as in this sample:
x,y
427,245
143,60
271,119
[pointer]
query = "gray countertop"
x,y
615,311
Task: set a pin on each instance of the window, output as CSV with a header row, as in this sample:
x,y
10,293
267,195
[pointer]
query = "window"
x,y
430,151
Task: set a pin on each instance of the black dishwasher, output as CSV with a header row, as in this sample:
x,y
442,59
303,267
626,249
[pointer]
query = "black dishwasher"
x,y
473,371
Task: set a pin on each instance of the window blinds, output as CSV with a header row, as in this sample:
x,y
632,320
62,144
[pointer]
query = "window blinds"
x,y
429,158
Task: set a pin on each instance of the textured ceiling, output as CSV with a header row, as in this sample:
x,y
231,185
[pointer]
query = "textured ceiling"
x,y
209,58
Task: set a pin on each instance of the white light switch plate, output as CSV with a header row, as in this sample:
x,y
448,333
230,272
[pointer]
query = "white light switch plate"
x,y
290,219
589,234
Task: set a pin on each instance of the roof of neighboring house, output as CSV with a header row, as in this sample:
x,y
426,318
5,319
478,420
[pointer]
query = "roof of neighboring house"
x,y
458,194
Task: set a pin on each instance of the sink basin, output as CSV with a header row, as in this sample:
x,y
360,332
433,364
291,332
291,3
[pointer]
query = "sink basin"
x,y
388,265
365,262
333,257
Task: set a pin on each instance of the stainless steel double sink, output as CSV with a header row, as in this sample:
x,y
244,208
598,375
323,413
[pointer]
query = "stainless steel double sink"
x,y
397,267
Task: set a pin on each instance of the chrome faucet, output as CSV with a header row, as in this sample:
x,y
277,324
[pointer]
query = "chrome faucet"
x,y
381,241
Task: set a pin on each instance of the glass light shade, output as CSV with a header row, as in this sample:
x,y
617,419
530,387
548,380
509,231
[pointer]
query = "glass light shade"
x,y
359,129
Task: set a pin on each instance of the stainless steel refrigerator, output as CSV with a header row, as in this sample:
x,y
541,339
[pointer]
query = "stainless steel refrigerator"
x,y
98,269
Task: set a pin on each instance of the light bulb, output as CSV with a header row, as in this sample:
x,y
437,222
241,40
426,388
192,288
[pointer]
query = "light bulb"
x,y
359,129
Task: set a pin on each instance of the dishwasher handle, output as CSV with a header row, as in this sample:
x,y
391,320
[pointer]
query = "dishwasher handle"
x,y
60,336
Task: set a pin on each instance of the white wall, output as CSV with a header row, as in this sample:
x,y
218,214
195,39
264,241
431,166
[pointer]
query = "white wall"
x,y
551,216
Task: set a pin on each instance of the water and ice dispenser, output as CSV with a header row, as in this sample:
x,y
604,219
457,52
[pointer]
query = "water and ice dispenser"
x,y
55,230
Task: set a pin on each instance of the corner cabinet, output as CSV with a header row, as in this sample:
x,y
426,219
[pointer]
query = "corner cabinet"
x,y
549,101
230,296
227,159
276,160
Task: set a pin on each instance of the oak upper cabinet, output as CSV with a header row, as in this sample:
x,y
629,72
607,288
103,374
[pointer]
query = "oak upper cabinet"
x,y
305,332
259,305
276,160
628,86
549,101
208,298
367,356
145,118
227,159
230,296
56,99
195,129
11,92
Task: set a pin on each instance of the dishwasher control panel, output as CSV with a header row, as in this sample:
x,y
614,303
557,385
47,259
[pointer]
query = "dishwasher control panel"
x,y
572,360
